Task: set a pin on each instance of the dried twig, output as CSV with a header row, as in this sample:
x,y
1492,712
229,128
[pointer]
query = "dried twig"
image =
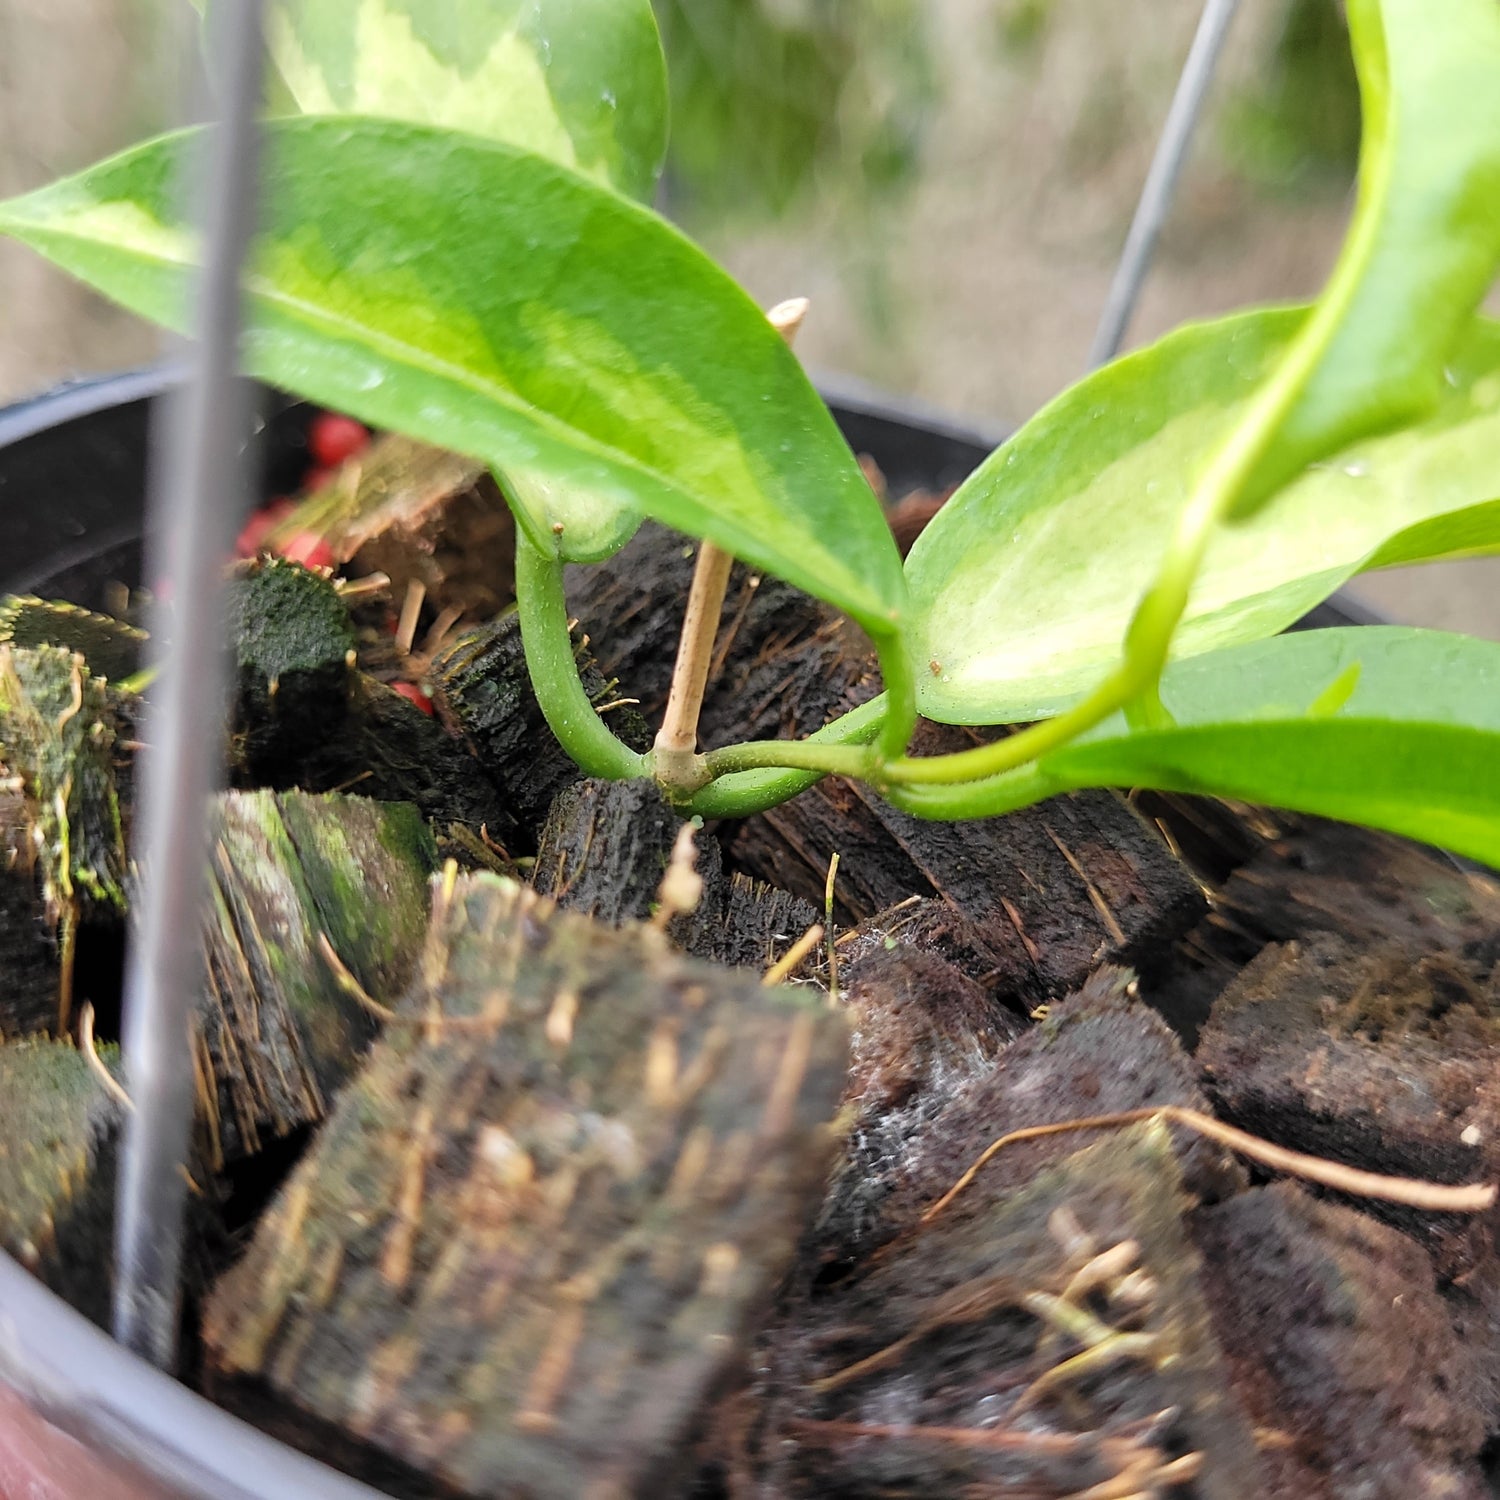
x,y
96,1065
349,984
411,612
1433,1197
790,960
833,958
681,887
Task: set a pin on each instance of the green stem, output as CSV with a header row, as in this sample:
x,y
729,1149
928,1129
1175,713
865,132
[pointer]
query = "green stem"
x,y
802,755
900,697
739,794
554,669
977,799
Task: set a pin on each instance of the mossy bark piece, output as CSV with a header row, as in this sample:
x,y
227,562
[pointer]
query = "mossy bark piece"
x,y
57,735
111,649
278,1034
531,1240
58,1132
62,817
940,1366
1342,1350
483,691
1099,1051
1377,1056
418,514
604,849
294,650
28,942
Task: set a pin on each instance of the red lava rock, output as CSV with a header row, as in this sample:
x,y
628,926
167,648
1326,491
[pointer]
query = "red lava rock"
x,y
332,438
309,549
413,694
253,535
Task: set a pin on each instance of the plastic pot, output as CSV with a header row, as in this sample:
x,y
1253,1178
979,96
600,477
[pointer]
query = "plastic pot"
x,y
79,1416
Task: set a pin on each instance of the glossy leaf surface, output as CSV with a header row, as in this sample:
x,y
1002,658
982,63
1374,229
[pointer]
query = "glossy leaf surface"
x,y
580,81
1024,584
1424,242
1472,532
554,330
1394,727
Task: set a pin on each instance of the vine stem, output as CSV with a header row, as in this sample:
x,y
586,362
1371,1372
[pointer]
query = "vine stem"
x,y
675,759
553,668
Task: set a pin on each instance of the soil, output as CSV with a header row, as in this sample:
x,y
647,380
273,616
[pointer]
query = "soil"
x,y
519,1182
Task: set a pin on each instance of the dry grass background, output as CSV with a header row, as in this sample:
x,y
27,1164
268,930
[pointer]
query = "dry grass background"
x,y
976,289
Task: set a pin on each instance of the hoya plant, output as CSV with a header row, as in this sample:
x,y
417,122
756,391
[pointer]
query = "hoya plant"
x,y
455,245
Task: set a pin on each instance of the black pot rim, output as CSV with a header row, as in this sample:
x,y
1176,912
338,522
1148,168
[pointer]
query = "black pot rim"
x,y
82,398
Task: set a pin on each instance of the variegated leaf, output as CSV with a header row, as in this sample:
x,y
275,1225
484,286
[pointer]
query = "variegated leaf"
x,y
580,81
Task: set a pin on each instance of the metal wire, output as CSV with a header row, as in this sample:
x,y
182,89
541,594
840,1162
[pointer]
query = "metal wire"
x,y
197,492
1161,181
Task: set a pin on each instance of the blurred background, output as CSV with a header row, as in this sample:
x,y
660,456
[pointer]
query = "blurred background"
x,y
950,181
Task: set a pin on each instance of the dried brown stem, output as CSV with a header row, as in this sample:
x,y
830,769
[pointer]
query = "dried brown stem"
x,y
676,751
411,612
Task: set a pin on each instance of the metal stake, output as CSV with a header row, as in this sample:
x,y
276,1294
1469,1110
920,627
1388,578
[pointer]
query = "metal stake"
x,y
196,494
1161,180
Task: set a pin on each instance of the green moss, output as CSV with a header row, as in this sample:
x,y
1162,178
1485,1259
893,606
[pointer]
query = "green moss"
x,y
286,620
57,733
56,1116
111,648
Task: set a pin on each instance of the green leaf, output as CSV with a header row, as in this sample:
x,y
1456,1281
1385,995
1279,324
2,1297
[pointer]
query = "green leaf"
x,y
1024,583
1472,532
562,517
580,81
1393,727
1423,246
552,329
